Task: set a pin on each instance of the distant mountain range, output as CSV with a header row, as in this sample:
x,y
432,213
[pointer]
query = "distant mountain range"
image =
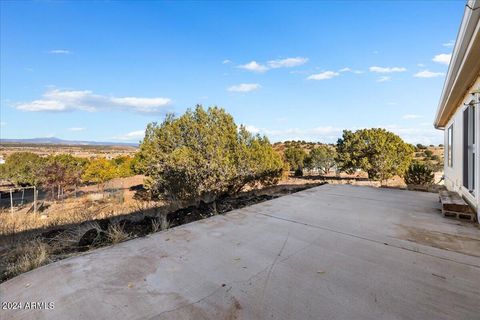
x,y
54,140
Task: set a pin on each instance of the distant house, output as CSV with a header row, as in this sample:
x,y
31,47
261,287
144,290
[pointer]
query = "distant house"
x,y
458,112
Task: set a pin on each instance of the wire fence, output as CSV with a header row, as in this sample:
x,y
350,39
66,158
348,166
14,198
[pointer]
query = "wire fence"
x,y
18,197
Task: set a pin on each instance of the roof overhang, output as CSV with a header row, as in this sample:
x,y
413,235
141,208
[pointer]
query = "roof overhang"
x,y
464,66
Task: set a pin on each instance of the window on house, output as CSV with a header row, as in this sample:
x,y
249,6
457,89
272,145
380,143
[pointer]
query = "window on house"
x,y
450,146
469,152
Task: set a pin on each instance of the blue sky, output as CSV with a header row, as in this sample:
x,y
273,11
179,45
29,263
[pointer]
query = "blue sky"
x,y
291,70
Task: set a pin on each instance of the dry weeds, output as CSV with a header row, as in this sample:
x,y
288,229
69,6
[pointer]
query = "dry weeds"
x,y
68,212
26,257
116,233
71,237
155,225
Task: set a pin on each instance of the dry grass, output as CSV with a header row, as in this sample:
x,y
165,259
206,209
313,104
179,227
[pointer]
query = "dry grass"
x,y
155,225
26,257
66,212
71,237
116,233
160,223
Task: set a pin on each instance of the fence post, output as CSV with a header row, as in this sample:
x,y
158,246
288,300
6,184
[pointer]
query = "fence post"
x,y
35,195
11,201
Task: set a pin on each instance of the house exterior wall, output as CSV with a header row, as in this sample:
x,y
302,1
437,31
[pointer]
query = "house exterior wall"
x,y
454,174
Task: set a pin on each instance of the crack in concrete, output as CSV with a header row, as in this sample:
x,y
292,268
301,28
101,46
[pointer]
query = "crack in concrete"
x,y
369,239
273,265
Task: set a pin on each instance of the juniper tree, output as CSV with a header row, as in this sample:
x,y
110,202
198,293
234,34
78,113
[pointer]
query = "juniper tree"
x,y
202,155
321,158
295,157
380,153
23,168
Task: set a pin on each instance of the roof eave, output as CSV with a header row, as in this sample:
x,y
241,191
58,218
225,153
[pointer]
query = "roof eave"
x,y
465,55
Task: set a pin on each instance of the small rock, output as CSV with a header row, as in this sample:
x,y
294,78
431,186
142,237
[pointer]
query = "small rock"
x,y
88,238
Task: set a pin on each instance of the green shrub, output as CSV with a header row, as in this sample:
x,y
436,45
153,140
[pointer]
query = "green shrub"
x,y
295,157
125,166
321,158
203,155
99,171
23,168
419,174
380,153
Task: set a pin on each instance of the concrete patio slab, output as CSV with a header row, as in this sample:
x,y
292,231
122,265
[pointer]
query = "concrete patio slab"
x,y
331,252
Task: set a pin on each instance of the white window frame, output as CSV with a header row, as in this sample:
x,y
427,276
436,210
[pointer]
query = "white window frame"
x,y
470,149
449,146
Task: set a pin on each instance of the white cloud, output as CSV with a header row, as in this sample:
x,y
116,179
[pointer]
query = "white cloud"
x,y
76,129
254,66
131,136
450,43
274,64
411,116
323,75
252,129
347,69
56,100
421,65
387,69
443,58
418,134
330,134
59,51
323,133
428,74
287,63
384,79
226,61
244,87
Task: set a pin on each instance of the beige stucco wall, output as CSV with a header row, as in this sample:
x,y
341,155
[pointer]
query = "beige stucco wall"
x,y
454,175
